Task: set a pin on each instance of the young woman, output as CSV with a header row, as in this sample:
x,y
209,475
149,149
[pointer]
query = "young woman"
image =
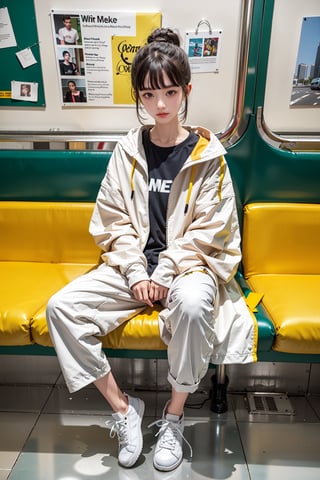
x,y
73,94
165,217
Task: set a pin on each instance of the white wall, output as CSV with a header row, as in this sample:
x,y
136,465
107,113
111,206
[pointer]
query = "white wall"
x,y
211,102
285,38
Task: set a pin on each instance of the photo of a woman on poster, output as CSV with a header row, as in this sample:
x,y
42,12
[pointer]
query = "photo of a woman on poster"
x,y
73,94
25,90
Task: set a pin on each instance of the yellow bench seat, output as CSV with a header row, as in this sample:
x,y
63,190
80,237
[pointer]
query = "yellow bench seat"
x,y
281,260
43,246
292,301
25,288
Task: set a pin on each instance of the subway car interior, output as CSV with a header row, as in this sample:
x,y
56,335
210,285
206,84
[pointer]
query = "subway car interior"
x,y
256,84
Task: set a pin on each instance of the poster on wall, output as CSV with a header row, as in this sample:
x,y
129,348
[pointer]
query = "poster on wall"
x,y
7,37
306,80
94,52
203,50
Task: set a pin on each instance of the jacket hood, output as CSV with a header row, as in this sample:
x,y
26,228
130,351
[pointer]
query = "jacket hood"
x,y
207,148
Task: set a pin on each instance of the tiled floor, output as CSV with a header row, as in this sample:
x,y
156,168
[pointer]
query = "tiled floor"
x,y
48,434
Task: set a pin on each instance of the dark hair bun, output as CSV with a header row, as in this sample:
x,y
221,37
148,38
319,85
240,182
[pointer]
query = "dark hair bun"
x,y
164,35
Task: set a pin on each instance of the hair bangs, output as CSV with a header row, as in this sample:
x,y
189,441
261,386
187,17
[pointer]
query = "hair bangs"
x,y
154,78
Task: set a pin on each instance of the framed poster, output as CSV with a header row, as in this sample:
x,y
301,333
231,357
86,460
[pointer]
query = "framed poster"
x,y
94,52
306,80
203,49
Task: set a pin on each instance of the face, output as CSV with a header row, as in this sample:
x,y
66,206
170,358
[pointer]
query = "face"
x,y
24,90
67,23
71,86
163,104
67,57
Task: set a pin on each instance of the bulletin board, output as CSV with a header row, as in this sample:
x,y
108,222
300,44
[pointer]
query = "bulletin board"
x,y
23,20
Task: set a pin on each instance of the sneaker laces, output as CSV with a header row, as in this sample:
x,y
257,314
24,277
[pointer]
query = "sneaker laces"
x,y
119,428
169,432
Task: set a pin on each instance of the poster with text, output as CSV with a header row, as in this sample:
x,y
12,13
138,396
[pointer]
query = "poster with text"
x,y
94,52
203,50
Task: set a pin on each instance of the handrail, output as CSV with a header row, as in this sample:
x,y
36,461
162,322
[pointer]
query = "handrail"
x,y
108,138
295,142
238,123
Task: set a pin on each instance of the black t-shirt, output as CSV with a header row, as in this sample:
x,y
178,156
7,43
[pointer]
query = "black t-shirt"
x,y
164,163
69,69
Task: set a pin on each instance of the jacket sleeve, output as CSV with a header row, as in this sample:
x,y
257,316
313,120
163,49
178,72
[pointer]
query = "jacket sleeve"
x,y
111,225
211,234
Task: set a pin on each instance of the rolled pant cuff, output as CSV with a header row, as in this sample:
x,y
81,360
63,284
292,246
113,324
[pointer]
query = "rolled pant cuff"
x,y
77,384
182,388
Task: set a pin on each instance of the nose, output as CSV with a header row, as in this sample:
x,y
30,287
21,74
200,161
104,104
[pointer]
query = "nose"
x,y
161,103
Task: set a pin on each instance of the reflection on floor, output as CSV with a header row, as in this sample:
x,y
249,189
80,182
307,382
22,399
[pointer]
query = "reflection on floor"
x,y
48,434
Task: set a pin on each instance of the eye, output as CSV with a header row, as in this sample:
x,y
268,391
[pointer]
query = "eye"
x,y
146,95
171,93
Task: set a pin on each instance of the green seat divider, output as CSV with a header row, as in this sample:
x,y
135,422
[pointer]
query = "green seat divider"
x,y
266,330
52,175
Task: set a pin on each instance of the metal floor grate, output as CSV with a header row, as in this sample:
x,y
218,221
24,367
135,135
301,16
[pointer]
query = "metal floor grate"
x,y
269,404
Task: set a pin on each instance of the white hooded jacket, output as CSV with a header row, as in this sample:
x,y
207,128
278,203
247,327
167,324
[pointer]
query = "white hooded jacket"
x,y
202,231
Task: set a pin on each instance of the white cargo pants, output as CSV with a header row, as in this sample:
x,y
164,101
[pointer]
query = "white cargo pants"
x,y
99,301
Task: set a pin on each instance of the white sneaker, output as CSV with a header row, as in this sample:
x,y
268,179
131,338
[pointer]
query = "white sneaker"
x,y
168,452
128,429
